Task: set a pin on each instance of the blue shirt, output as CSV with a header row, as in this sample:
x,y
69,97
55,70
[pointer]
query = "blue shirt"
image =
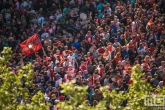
x,y
100,7
85,75
118,39
90,97
132,2
114,29
100,15
76,45
124,53
75,56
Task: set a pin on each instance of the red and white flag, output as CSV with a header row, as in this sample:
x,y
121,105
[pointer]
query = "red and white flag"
x,y
31,45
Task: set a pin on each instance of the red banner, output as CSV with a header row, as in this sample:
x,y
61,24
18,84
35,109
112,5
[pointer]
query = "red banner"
x,y
31,45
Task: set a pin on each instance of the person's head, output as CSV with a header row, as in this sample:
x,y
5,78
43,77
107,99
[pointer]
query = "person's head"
x,y
88,54
49,86
92,89
147,58
157,42
54,89
95,102
53,96
129,69
126,58
89,32
159,56
57,51
70,66
127,62
155,76
97,91
162,63
79,56
112,22
71,53
85,57
151,45
41,10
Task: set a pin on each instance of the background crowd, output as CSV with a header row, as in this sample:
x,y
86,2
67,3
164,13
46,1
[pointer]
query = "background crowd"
x,y
95,42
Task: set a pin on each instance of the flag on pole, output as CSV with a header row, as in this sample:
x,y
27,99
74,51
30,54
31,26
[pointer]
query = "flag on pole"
x,y
31,45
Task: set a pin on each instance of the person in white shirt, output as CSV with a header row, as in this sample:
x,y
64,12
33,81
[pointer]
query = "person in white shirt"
x,y
70,57
141,49
24,4
47,40
108,9
17,4
126,59
58,81
40,19
43,35
57,68
58,15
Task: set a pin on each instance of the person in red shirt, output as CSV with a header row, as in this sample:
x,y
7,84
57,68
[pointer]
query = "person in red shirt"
x,y
101,69
97,19
83,66
38,58
88,37
51,73
117,59
90,81
89,56
96,77
101,49
151,49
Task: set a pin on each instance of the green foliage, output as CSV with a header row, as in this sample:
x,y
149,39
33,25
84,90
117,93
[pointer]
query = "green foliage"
x,y
135,97
11,87
138,90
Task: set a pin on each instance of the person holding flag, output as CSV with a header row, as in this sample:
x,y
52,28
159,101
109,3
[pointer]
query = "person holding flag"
x,y
108,53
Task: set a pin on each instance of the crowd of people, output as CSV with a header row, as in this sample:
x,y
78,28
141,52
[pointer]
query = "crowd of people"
x,y
95,42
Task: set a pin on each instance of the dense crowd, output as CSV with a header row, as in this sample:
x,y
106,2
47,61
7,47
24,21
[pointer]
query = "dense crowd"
x,y
95,42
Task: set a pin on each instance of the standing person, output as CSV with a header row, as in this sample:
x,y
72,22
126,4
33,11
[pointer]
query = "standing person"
x,y
92,10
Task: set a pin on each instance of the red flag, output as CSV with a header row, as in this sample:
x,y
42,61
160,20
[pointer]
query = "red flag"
x,y
31,45
149,23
